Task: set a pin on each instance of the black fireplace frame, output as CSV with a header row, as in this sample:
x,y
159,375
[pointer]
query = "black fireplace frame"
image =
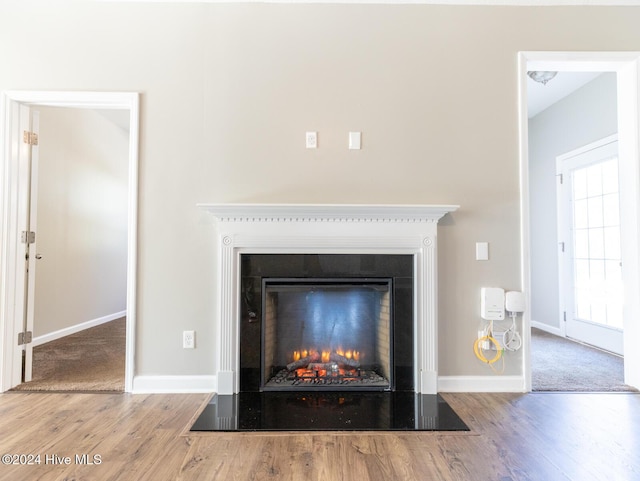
x,y
400,268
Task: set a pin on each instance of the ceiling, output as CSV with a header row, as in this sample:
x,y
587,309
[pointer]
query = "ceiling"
x,y
540,96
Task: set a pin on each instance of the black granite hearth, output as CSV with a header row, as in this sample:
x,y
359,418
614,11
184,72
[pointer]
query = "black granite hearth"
x,y
328,411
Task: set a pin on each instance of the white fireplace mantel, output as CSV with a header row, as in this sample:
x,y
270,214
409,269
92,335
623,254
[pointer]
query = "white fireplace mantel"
x,y
328,212
325,229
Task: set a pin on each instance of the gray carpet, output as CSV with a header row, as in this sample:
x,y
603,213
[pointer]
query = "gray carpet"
x,y
90,360
558,364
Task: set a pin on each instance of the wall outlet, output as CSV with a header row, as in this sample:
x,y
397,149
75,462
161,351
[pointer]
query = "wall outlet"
x,y
188,339
311,139
484,345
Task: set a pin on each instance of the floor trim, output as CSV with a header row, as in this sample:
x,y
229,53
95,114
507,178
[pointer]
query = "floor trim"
x,y
67,331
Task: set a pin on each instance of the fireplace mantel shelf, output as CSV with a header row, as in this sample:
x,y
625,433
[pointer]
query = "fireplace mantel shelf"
x,y
328,212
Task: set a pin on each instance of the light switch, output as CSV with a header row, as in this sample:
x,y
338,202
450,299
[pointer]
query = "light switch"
x,y
482,251
354,140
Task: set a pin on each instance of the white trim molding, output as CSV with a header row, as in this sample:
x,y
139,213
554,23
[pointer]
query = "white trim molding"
x,y
532,3
67,331
627,67
173,384
481,384
12,201
326,229
556,331
327,212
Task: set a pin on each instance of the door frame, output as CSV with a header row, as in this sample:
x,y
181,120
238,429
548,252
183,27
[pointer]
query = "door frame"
x,y
627,67
11,289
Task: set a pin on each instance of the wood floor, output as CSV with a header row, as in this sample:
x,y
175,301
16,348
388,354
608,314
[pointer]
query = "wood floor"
x,y
539,436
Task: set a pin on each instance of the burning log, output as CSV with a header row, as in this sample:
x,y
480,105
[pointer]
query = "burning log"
x,y
303,362
353,363
320,366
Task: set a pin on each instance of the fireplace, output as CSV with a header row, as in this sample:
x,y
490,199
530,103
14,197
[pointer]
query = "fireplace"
x,y
327,322
327,319
326,334
312,236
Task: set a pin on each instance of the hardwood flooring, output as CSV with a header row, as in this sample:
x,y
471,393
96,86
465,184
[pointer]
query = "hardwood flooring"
x,y
541,436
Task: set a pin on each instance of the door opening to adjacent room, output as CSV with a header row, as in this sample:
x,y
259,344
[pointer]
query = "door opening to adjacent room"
x,y
595,245
77,263
85,196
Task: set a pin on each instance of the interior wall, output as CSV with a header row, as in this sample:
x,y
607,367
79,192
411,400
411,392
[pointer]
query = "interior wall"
x,y
82,218
228,91
588,115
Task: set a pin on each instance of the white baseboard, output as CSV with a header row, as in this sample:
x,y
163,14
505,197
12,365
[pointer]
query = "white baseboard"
x,y
174,384
547,328
481,384
52,336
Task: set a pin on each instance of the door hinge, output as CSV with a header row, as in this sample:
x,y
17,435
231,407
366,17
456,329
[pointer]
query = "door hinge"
x,y
561,178
564,316
30,138
28,237
561,246
25,338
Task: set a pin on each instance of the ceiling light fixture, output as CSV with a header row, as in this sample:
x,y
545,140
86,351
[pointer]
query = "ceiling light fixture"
x,y
541,76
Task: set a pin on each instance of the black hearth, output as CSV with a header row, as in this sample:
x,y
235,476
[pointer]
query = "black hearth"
x,y
328,411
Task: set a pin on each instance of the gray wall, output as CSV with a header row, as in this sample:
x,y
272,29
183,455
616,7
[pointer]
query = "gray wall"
x,y
228,91
587,115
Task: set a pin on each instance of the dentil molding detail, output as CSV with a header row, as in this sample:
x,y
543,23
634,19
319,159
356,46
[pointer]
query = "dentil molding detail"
x,y
327,212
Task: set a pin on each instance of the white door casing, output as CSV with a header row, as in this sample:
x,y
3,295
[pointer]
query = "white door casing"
x,y
627,67
13,178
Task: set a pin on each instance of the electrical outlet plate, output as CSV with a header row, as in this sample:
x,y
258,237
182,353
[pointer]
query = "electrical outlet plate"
x,y
189,339
311,140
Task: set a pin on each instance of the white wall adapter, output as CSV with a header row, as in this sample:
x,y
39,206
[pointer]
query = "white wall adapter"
x,y
514,301
492,303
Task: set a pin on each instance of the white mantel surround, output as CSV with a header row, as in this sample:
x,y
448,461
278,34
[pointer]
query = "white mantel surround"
x,y
325,229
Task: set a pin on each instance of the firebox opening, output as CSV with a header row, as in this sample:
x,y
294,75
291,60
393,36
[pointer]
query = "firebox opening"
x,y
329,334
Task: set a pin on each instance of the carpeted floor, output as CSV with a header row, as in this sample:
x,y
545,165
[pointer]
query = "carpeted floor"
x,y
558,364
90,360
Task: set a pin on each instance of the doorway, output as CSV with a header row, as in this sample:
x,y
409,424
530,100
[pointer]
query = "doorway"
x,y
15,282
625,66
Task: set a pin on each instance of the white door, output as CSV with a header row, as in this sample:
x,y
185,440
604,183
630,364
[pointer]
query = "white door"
x,y
29,121
589,240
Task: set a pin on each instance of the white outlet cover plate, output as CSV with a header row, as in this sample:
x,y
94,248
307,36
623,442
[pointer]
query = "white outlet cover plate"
x,y
311,140
188,339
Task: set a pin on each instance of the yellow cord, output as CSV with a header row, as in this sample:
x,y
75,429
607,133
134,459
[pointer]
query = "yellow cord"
x,y
479,352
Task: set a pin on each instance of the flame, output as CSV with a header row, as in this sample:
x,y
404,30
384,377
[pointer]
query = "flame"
x,y
324,355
